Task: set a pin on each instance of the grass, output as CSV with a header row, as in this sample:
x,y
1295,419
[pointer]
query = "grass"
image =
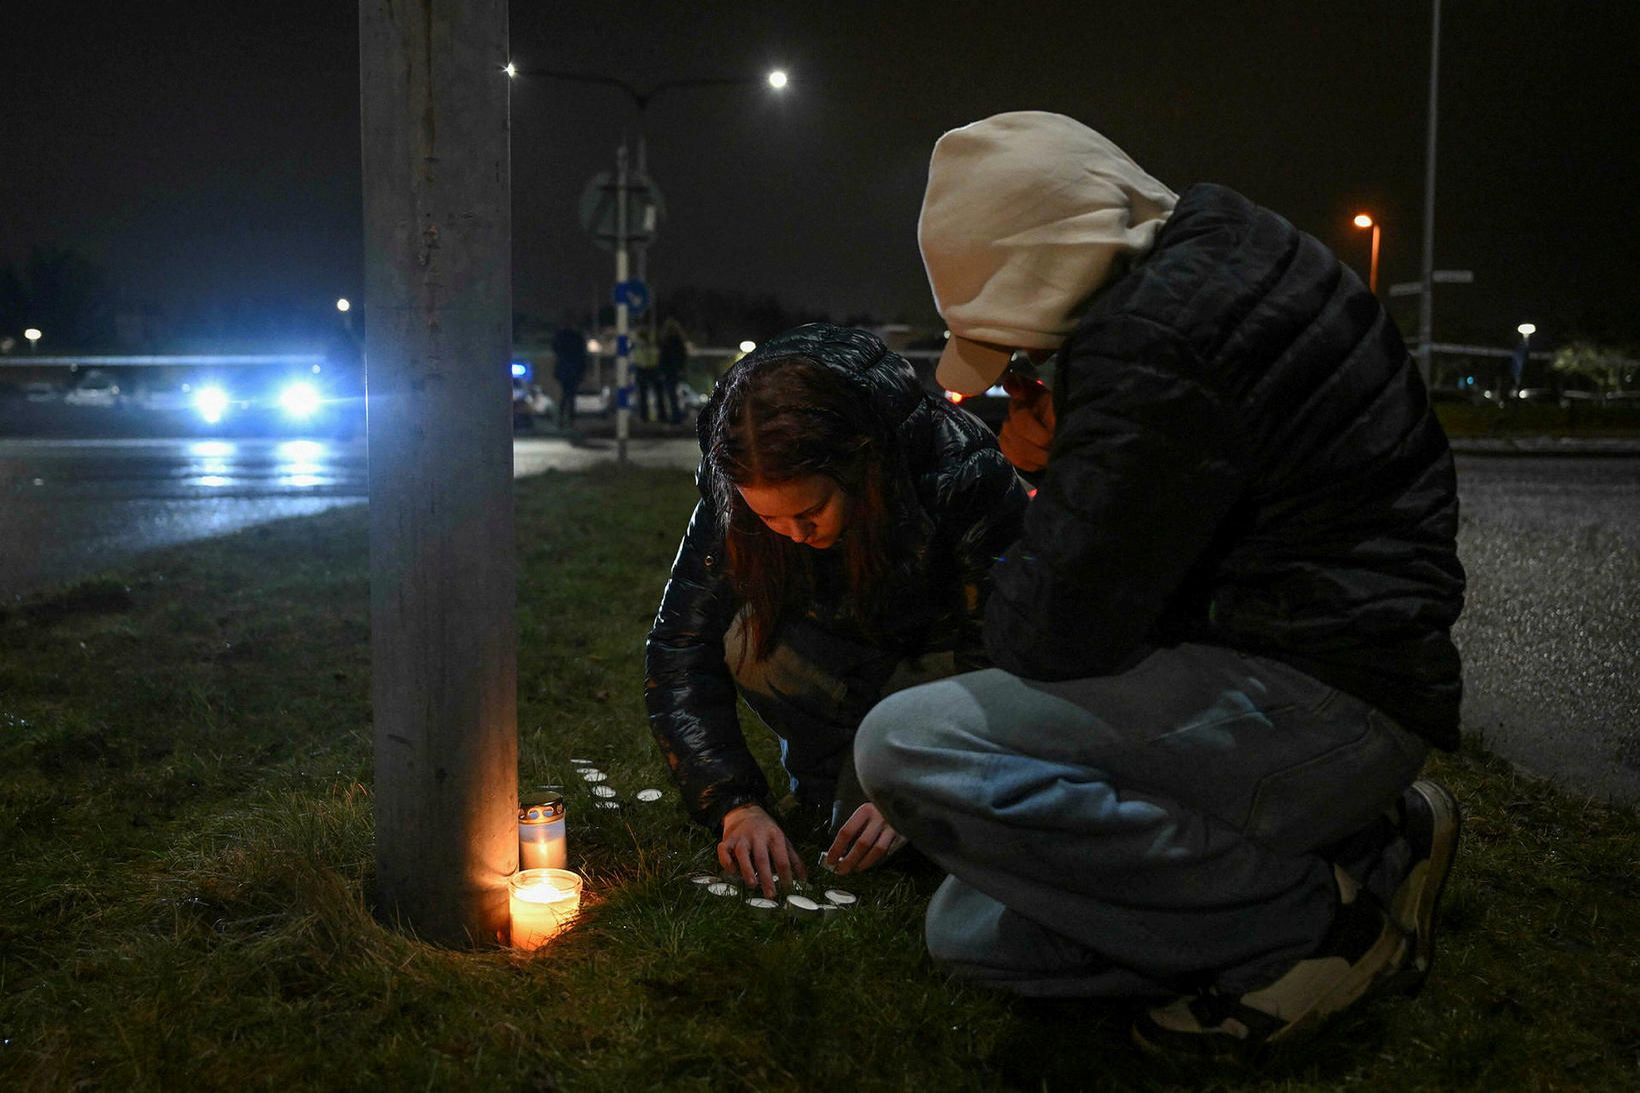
x,y
185,898
1536,419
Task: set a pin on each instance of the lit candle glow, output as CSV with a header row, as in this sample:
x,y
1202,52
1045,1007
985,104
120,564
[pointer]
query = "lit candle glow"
x,y
543,903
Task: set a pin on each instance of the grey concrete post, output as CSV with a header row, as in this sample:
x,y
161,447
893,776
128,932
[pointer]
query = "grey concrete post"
x,y
438,298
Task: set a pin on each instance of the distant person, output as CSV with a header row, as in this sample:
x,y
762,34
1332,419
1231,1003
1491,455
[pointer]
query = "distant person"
x,y
569,348
674,364
646,373
1222,644
840,548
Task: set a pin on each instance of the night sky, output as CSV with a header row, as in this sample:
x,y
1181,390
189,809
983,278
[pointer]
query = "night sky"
x,y
203,153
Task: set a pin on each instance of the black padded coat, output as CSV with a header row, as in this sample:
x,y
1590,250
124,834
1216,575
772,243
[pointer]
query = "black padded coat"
x,y
961,497
1244,456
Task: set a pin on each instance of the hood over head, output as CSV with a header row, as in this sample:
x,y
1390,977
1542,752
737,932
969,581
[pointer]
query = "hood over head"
x,y
1026,216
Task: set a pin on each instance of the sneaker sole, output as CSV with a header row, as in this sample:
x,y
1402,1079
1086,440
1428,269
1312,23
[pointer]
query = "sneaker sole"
x,y
1363,978
1413,909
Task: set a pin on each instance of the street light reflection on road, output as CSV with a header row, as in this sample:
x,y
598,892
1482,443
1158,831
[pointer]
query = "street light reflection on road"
x,y
301,465
215,466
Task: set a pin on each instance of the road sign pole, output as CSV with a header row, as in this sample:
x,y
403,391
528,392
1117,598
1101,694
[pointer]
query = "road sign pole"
x,y
1426,302
623,334
438,339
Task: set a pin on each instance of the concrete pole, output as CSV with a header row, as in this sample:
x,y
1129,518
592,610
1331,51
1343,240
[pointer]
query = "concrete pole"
x,y
1426,306
438,289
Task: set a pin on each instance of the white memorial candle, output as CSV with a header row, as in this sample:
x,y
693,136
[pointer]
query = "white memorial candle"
x,y
543,901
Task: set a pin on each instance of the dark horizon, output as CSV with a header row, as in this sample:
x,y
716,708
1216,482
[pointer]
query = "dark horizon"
x,y
204,161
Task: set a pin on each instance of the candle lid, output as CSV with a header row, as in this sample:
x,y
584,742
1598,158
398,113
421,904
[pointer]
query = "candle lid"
x,y
549,808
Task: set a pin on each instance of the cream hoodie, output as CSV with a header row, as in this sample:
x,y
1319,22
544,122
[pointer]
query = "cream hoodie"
x,y
1026,216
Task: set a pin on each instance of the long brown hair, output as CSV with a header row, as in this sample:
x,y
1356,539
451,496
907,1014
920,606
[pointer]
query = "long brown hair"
x,y
781,418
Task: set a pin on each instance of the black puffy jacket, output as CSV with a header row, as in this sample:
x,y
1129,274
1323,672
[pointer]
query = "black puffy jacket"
x,y
1244,456
961,496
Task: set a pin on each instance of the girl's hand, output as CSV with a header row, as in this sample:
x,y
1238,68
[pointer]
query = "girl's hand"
x,y
864,840
754,846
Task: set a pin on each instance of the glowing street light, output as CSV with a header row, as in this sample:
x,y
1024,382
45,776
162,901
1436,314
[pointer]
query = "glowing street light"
x,y
344,305
1526,330
778,79
1362,220
511,70
33,335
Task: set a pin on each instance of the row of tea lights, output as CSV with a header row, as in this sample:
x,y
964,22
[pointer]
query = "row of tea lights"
x,y
544,896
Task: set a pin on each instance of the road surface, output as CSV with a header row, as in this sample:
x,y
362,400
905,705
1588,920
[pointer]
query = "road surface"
x,y
69,508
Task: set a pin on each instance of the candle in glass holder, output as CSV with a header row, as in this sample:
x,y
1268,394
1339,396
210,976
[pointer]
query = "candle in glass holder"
x,y
541,843
543,901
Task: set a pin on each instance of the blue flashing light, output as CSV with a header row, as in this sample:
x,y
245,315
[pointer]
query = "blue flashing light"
x,y
300,400
212,402
520,369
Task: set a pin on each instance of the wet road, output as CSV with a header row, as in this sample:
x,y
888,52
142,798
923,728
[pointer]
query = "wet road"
x,y
1551,631
1552,546
69,508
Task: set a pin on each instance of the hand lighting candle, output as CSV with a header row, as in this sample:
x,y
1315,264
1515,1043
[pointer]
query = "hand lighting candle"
x,y
543,902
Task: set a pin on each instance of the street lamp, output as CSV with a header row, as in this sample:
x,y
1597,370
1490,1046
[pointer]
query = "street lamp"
x,y
1517,359
33,335
1362,220
343,305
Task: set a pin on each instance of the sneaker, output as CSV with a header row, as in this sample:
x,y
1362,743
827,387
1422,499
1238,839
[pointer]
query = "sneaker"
x,y
1430,824
1362,947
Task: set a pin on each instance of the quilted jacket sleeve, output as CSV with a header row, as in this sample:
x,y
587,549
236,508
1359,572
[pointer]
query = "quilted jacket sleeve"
x,y
983,504
688,690
1146,462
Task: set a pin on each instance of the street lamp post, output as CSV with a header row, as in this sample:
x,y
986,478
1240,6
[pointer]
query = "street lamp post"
x,y
33,335
1362,220
1517,361
777,79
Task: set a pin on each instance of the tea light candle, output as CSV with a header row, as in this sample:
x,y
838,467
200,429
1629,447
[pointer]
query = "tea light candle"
x,y
543,901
